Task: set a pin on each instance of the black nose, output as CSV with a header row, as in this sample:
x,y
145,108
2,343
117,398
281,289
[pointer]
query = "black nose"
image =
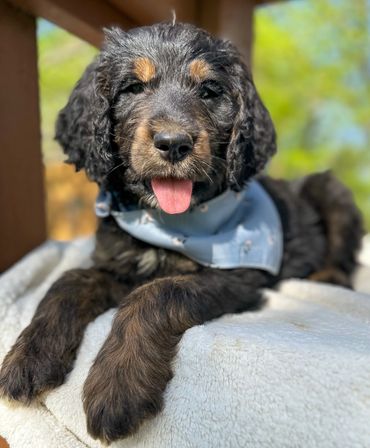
x,y
173,146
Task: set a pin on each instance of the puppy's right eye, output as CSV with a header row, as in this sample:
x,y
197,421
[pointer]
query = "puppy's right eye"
x,y
134,88
210,90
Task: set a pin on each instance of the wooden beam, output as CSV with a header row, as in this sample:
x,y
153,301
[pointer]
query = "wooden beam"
x,y
83,18
22,223
230,19
147,12
266,2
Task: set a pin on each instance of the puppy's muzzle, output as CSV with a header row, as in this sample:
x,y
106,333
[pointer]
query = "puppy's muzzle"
x,y
173,146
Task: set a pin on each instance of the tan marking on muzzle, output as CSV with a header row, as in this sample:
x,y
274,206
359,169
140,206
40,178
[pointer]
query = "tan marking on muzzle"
x,y
202,147
142,150
168,125
147,162
144,69
199,69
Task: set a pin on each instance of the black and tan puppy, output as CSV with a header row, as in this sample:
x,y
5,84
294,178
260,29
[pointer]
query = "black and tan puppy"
x,y
167,117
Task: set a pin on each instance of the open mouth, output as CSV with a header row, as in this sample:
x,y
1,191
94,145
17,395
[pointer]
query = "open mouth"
x,y
173,195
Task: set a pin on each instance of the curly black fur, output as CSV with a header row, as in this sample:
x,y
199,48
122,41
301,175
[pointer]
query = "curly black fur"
x,y
167,77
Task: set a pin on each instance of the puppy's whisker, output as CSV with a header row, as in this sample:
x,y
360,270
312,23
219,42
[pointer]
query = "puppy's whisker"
x,y
207,164
220,142
219,160
115,167
121,139
201,170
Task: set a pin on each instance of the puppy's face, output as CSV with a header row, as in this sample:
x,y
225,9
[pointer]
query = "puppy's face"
x,y
174,118
173,115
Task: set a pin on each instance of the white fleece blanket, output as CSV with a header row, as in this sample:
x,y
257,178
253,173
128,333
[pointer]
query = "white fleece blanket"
x,y
296,374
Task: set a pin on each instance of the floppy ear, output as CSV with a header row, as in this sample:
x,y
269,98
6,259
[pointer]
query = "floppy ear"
x,y
83,126
253,139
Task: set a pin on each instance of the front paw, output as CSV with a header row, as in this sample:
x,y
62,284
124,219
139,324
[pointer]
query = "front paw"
x,y
29,370
115,403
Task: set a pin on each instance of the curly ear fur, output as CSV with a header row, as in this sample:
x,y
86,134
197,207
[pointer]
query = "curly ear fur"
x,y
83,126
253,139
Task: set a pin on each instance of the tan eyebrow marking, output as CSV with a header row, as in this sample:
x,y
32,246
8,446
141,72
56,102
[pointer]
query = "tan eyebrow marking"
x,y
144,69
199,69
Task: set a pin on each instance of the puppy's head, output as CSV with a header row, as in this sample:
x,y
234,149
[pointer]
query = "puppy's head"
x,y
168,117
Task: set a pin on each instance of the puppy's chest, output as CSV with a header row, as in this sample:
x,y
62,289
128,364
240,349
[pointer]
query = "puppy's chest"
x,y
135,260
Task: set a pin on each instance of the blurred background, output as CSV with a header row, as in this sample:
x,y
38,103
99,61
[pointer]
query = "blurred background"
x,y
311,64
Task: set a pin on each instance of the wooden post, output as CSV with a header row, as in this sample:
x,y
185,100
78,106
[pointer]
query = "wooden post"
x,y
230,19
22,209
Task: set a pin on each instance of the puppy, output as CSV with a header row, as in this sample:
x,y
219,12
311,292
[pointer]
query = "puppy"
x,y
169,124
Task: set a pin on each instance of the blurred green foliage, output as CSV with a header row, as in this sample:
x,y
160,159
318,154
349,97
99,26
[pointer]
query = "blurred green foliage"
x,y
311,66
62,59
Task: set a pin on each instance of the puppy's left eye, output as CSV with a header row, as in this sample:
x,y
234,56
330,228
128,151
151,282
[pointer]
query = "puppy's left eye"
x,y
210,90
134,88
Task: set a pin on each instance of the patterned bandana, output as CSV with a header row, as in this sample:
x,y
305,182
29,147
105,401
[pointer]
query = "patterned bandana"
x,y
233,230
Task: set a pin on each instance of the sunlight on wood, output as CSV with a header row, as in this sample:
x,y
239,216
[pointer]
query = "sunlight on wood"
x,y
3,443
70,202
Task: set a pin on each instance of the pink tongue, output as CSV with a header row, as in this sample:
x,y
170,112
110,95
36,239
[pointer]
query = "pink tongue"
x,y
173,195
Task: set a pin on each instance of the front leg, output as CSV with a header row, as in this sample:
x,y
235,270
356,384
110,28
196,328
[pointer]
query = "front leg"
x,y
44,352
125,385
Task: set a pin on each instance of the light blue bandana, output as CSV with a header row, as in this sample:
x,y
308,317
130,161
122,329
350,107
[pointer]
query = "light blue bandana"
x,y
233,230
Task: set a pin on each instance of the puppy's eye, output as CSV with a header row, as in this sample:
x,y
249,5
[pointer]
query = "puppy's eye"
x,y
210,90
134,88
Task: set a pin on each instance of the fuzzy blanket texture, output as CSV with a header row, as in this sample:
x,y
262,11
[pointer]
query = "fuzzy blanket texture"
x,y
295,374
